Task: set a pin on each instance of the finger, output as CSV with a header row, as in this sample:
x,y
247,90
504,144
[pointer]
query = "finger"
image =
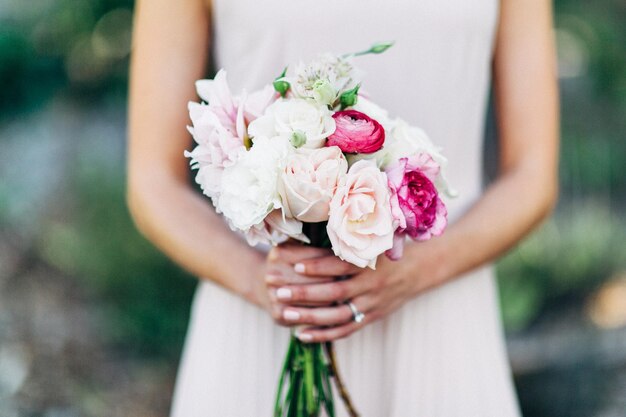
x,y
329,334
276,311
274,299
276,277
292,253
319,335
326,316
325,266
319,316
337,292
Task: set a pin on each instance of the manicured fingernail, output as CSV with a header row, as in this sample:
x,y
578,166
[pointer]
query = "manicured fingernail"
x,y
305,337
272,278
283,294
291,315
299,268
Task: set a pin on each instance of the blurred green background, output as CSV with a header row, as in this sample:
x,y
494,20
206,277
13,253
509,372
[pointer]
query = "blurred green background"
x,y
92,318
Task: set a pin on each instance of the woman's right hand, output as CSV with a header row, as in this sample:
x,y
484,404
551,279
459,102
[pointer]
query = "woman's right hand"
x,y
277,269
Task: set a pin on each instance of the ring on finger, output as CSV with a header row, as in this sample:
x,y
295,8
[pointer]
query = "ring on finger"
x,y
357,316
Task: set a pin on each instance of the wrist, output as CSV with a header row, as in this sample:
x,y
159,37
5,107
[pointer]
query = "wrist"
x,y
428,264
251,282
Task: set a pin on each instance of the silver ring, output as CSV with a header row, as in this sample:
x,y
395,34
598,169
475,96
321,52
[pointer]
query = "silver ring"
x,y
357,316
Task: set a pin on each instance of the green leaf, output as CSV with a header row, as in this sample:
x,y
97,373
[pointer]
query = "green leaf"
x,y
350,97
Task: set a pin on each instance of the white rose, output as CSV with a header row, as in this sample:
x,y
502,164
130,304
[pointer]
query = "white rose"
x,y
405,140
309,180
286,117
249,187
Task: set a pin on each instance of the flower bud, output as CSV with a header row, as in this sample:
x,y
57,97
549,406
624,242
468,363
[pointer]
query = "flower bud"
x,y
379,48
350,97
297,138
323,91
280,85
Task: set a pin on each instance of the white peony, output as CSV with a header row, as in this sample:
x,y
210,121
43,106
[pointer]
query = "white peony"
x,y
274,230
295,116
249,189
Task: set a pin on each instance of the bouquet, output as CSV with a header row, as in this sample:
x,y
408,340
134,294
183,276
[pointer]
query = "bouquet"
x,y
311,158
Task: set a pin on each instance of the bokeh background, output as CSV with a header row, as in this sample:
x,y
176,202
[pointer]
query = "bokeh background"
x,y
92,318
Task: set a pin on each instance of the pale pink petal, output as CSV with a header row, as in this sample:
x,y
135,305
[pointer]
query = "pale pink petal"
x,y
397,250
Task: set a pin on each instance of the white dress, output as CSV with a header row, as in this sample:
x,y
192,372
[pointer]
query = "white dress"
x,y
441,354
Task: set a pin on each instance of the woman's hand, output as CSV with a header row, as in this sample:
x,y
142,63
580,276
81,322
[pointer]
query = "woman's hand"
x,y
277,268
305,292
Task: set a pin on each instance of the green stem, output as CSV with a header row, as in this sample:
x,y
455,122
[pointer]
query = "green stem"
x,y
278,410
309,380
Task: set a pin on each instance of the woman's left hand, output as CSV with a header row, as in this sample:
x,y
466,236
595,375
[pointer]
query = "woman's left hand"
x,y
321,309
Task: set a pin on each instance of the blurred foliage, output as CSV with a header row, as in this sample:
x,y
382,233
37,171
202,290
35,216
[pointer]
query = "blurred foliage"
x,y
80,45
563,262
147,297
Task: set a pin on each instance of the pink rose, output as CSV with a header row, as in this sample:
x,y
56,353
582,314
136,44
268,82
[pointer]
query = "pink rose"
x,y
360,224
415,204
309,180
356,132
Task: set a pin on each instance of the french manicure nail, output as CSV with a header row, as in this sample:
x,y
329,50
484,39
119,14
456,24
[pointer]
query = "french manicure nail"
x,y
299,268
283,294
305,337
291,315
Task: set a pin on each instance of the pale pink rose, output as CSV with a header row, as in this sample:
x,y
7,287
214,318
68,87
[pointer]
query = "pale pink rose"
x,y
360,225
356,132
309,180
415,204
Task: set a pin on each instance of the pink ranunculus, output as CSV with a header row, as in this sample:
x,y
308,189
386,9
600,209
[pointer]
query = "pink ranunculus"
x,y
417,210
356,132
309,180
360,224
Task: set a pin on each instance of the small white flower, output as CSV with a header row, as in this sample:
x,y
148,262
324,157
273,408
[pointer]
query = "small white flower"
x,y
335,73
288,116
